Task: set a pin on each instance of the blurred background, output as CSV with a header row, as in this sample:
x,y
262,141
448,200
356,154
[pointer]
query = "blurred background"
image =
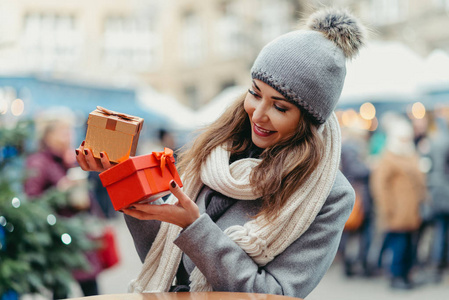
x,y
178,64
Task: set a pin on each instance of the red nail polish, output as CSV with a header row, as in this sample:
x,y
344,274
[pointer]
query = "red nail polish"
x,y
101,154
173,184
82,144
77,152
85,152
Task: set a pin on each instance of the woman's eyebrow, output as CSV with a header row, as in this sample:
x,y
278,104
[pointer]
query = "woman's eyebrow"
x,y
279,98
273,97
256,86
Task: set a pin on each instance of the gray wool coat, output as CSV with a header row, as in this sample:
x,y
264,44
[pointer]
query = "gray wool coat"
x,y
295,272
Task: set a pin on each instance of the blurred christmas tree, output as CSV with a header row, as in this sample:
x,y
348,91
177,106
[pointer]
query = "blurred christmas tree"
x,y
38,249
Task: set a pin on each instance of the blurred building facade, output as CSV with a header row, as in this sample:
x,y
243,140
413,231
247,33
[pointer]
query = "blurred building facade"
x,y
420,24
189,49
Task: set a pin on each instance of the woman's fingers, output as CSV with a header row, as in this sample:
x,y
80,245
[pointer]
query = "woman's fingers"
x,y
152,209
165,212
140,214
87,161
80,157
184,200
90,160
178,193
183,213
105,160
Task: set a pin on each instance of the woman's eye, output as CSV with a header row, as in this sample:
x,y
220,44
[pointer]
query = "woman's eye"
x,y
253,93
281,109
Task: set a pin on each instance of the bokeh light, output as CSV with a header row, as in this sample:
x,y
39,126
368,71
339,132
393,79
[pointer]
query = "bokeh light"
x,y
367,111
15,202
418,110
66,238
374,124
348,117
51,219
364,123
17,107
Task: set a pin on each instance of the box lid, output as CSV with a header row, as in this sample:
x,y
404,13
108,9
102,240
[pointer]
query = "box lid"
x,y
124,123
128,167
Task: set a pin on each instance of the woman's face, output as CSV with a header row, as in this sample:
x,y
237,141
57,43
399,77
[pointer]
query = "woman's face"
x,y
272,117
58,139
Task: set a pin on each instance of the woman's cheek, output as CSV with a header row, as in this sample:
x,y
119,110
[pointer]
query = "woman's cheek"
x,y
247,106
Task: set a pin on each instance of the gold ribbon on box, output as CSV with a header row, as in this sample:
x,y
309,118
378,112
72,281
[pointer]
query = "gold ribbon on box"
x,y
117,114
165,157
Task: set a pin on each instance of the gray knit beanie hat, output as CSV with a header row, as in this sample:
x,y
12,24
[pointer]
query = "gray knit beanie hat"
x,y
308,66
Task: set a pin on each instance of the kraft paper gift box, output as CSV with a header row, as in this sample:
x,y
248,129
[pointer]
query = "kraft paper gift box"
x,y
115,133
144,178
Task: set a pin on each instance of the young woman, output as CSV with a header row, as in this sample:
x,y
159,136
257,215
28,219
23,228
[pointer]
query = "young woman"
x,y
263,204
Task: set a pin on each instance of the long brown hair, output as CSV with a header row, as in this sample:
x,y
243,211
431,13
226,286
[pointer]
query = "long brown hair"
x,y
284,167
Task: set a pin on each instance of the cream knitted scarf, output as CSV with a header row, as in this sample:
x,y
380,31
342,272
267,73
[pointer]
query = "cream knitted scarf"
x,y
259,238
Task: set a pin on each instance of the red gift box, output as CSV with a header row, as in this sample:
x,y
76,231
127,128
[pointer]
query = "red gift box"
x,y
143,178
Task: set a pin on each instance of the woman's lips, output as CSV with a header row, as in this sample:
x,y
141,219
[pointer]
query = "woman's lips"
x,y
261,131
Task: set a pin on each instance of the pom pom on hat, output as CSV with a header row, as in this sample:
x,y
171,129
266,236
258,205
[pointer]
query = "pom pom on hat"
x,y
340,27
308,66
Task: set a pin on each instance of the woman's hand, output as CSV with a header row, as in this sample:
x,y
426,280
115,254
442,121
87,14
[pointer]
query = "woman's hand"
x,y
87,162
182,213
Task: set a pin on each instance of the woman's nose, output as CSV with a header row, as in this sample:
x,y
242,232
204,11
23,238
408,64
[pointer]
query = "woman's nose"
x,y
260,112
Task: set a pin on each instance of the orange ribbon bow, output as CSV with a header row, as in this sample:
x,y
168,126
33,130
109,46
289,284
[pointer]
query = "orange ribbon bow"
x,y
164,156
117,114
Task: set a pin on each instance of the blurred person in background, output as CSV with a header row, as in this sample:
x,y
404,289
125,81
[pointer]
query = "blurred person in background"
x,y
438,184
48,168
423,129
398,187
100,195
354,166
167,139
263,204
